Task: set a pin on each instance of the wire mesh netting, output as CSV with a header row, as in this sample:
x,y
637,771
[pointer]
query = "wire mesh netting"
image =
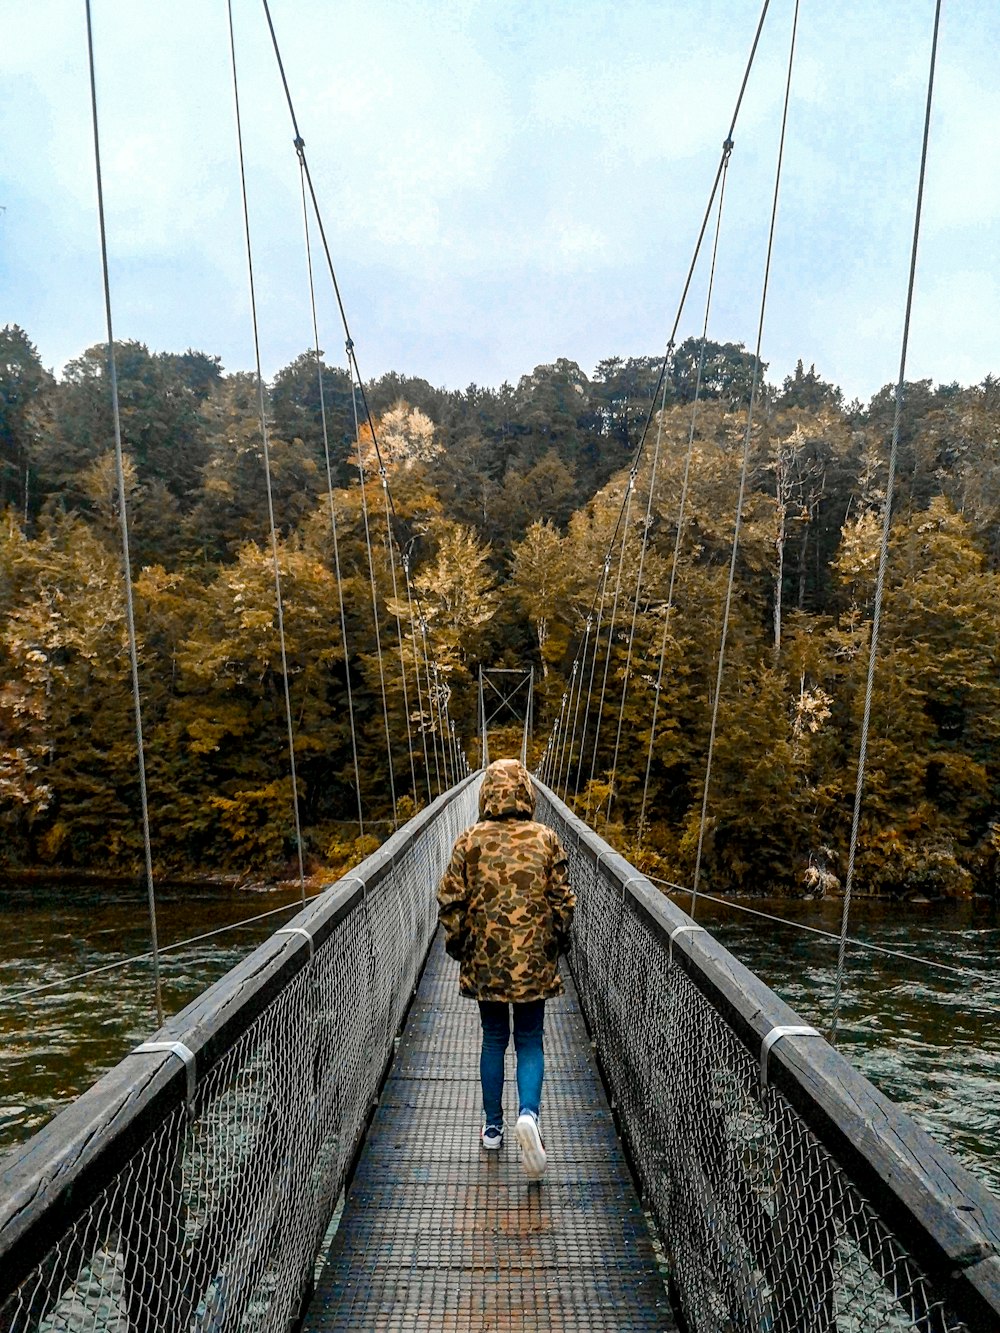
x,y
210,1214
214,1219
763,1229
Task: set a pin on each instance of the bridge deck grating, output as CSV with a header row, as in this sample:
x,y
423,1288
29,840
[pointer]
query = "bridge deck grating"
x,y
437,1234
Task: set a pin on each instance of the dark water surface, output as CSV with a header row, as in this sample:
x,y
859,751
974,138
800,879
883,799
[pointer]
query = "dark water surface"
x,y
929,1039
55,1044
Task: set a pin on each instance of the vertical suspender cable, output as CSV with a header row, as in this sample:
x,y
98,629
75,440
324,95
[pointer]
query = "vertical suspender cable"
x,y
743,472
333,509
431,699
593,671
557,734
262,406
390,545
452,744
560,753
644,546
484,752
416,674
357,388
884,548
574,680
681,513
611,629
371,580
123,523
582,660
727,148
527,716
449,737
442,712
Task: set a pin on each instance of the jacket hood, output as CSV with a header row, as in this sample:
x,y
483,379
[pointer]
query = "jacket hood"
x,y
506,791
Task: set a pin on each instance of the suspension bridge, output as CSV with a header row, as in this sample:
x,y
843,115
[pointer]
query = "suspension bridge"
x,y
298,1147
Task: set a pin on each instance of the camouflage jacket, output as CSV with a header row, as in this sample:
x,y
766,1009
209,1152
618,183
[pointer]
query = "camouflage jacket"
x,y
505,900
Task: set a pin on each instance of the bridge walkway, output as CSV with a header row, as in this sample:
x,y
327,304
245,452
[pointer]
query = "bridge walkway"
x,y
437,1234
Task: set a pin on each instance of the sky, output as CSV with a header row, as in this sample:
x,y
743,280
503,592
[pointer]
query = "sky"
x,y
504,183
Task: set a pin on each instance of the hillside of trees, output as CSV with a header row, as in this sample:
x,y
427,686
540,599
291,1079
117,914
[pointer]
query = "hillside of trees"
x,y
505,502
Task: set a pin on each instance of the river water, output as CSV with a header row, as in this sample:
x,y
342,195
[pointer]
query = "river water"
x,y
926,1037
929,1039
55,1043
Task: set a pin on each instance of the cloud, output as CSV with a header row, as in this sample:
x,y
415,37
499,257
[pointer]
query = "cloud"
x,y
963,183
956,326
503,181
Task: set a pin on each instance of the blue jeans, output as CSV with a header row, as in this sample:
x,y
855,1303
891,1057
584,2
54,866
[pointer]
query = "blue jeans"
x,y
529,1021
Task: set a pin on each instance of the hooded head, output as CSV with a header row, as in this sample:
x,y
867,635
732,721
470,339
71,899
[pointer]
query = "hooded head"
x,y
506,791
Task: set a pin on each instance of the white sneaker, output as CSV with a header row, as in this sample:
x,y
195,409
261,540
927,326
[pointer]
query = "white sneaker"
x,y
532,1148
492,1137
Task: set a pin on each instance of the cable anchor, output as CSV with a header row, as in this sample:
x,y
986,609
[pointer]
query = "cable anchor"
x,y
180,1052
776,1033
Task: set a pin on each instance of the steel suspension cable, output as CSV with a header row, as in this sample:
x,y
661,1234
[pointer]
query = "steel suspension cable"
x,y
560,754
442,709
371,582
644,546
744,470
975,974
355,370
727,148
399,631
262,408
557,731
333,508
630,491
123,525
431,702
579,666
884,545
450,738
545,765
416,673
681,514
574,682
149,954
970,973
550,748
605,573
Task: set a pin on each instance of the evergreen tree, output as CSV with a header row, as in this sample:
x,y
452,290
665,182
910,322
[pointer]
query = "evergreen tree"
x,y
25,393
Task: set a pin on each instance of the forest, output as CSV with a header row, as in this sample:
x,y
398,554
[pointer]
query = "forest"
x,y
479,540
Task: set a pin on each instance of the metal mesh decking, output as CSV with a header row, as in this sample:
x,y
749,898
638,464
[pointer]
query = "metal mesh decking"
x,y
437,1234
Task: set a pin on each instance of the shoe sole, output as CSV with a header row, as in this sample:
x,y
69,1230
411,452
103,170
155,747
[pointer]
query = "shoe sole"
x,y
532,1148
490,1147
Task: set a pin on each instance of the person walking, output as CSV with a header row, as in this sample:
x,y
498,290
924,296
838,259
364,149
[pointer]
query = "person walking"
x,y
506,906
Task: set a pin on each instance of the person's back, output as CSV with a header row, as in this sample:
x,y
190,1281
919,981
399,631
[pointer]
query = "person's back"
x,y
507,907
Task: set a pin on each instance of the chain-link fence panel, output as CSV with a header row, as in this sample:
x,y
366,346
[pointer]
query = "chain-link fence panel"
x,y
791,1196
191,1188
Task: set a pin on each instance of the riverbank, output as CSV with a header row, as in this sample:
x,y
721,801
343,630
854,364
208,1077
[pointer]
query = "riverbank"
x,y
319,877
46,878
